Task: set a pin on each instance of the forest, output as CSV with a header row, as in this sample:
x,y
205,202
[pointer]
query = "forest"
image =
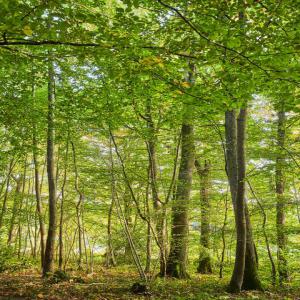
x,y
150,149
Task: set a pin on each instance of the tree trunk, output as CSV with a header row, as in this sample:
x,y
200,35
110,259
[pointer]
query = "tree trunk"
x,y
223,237
235,139
50,244
158,206
129,223
78,209
16,204
235,167
110,257
4,205
204,264
251,280
61,218
280,207
38,196
273,267
177,260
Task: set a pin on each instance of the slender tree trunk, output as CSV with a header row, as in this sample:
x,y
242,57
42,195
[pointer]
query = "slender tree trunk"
x,y
149,237
61,218
204,264
78,209
38,195
16,204
273,267
110,257
177,260
4,205
50,244
129,223
280,207
158,206
223,237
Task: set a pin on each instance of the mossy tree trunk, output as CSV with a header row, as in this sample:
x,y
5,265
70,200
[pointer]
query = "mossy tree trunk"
x,y
177,260
204,264
280,207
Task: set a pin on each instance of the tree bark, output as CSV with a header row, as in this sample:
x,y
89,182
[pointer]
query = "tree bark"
x,y
235,139
223,237
50,244
204,264
235,167
110,257
4,205
78,209
16,204
158,205
38,196
177,260
251,279
61,218
280,207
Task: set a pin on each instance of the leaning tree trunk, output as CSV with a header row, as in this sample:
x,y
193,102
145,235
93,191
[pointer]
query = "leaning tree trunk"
x,y
177,260
204,264
50,244
235,140
280,207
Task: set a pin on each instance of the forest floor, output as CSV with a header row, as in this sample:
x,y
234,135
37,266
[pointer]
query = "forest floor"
x,y
116,284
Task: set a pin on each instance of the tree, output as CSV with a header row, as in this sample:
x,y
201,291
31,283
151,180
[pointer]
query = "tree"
x,y
50,243
204,265
280,206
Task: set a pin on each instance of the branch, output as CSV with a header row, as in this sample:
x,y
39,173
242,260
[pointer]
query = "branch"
x,y
192,26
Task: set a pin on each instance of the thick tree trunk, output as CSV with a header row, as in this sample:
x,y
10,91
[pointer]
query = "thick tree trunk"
x,y
280,207
50,244
235,141
251,280
204,264
177,260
